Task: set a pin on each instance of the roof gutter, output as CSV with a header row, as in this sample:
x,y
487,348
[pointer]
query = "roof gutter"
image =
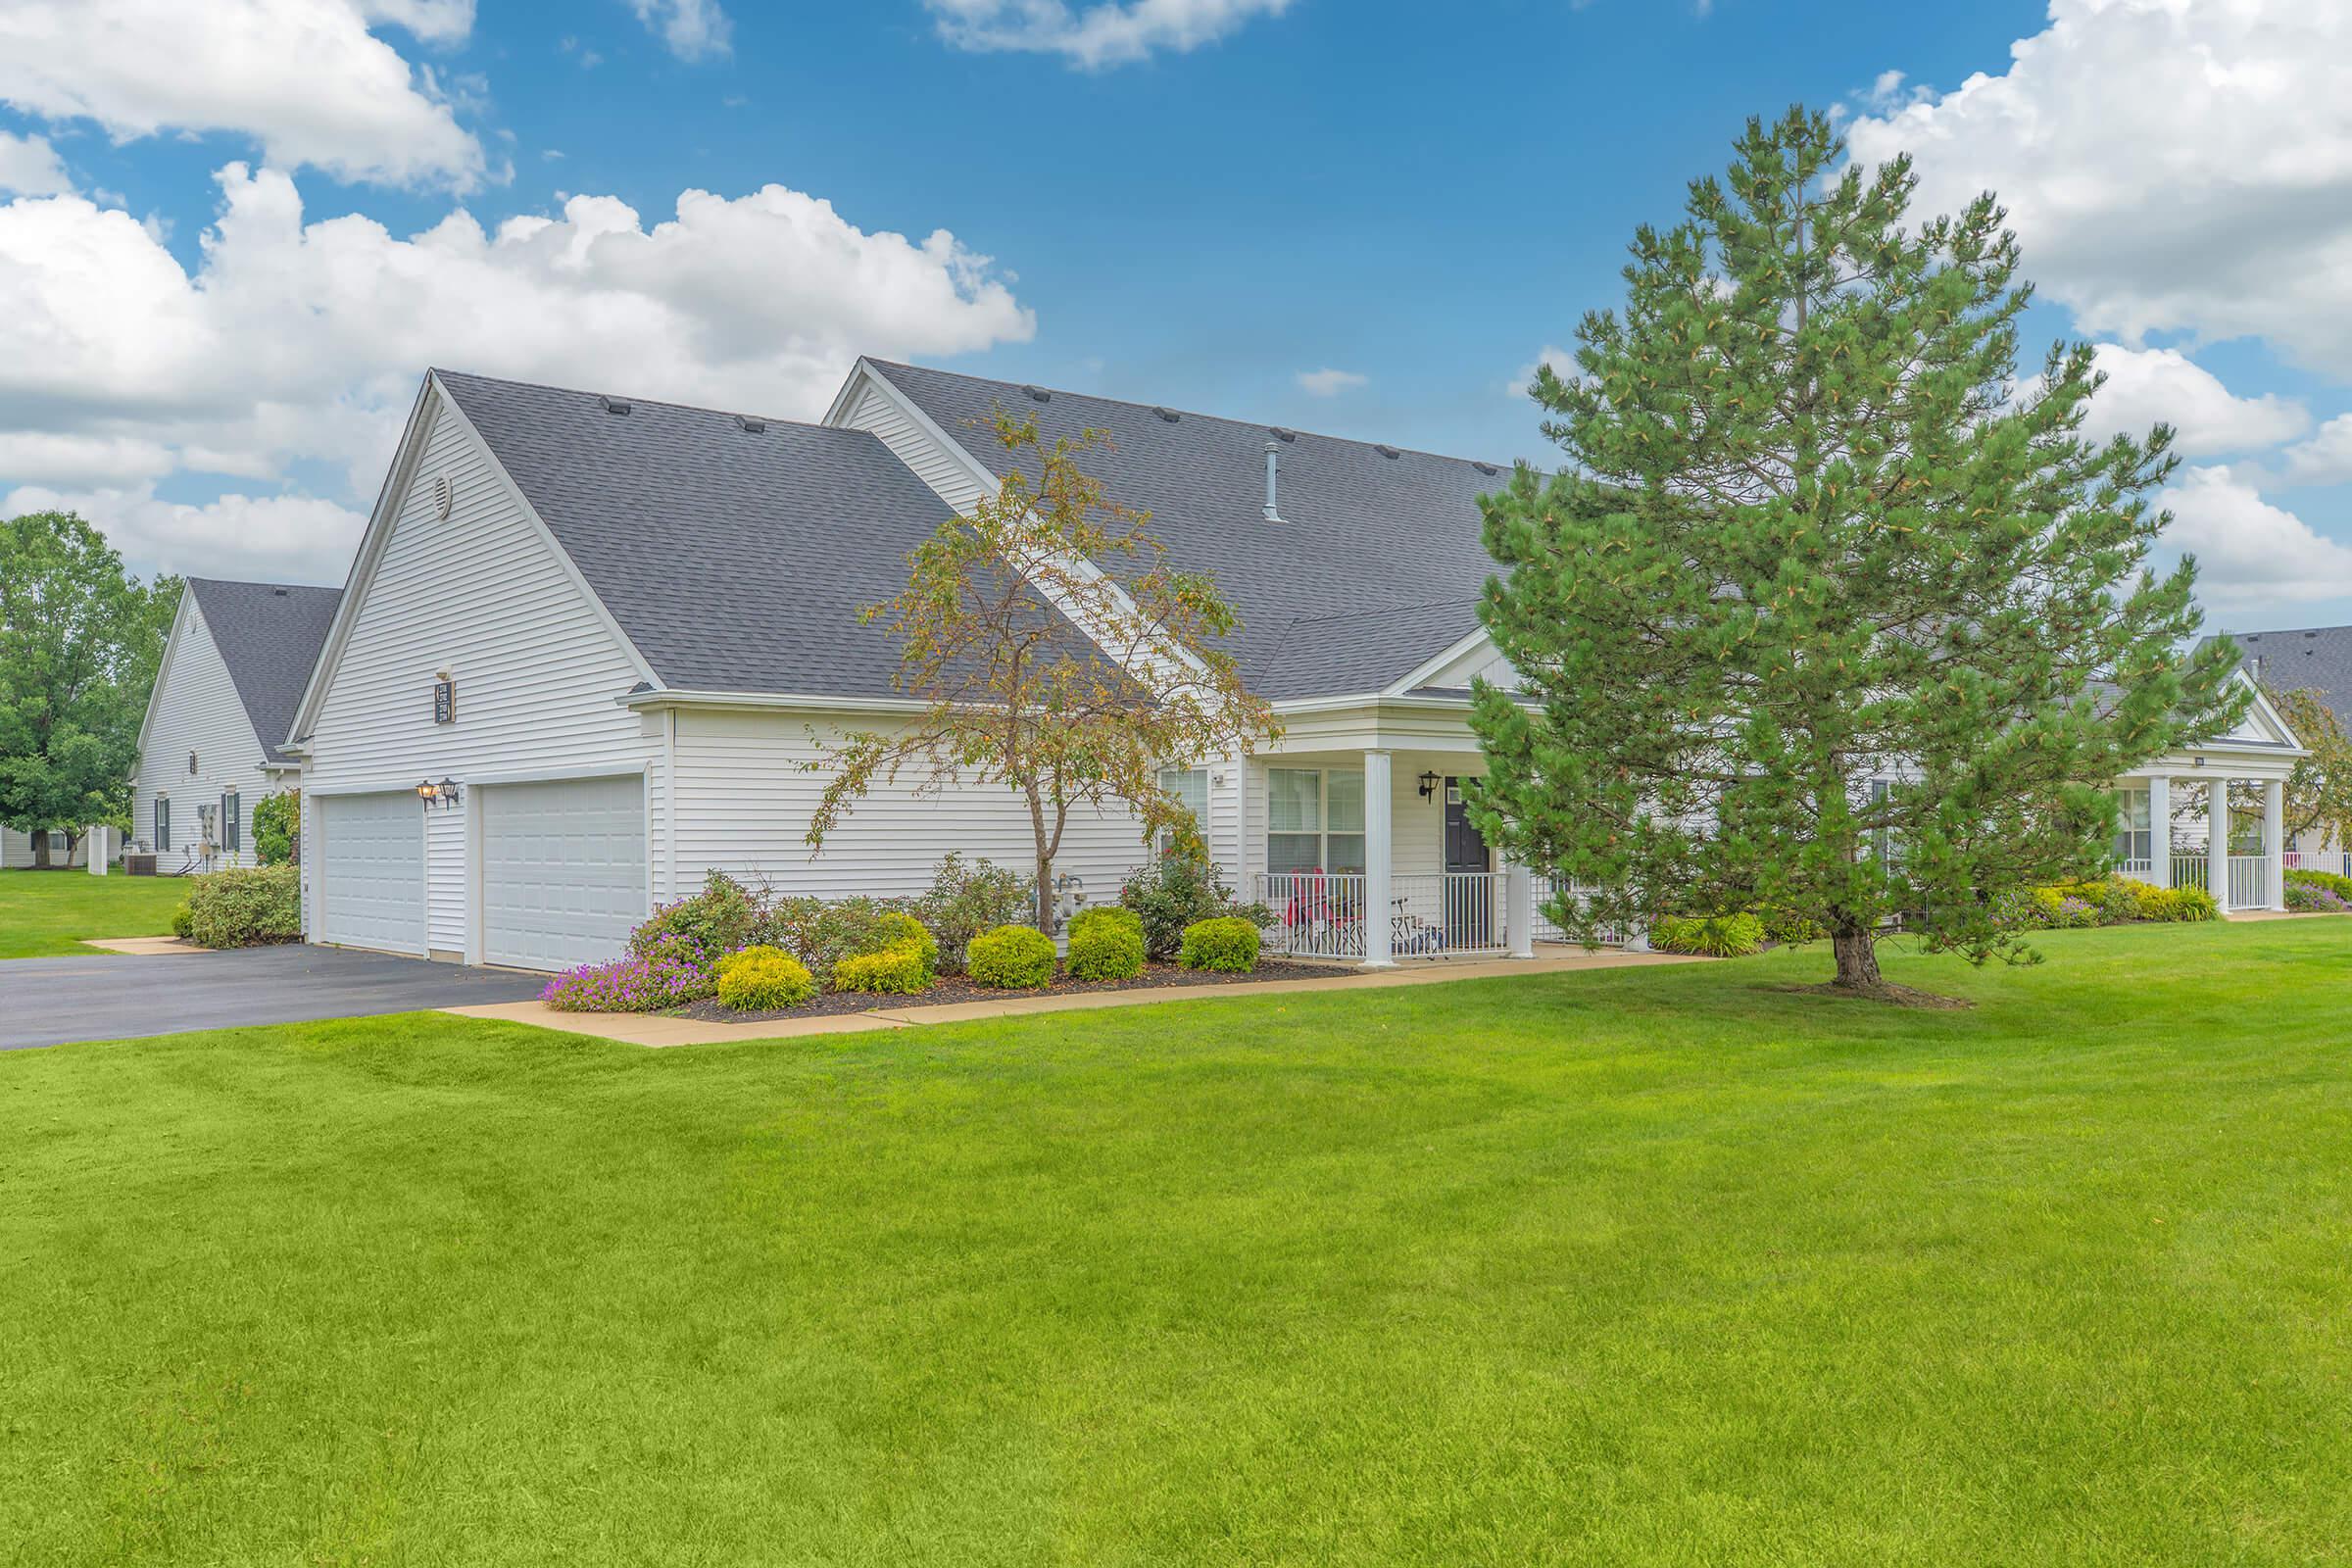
x,y
770,701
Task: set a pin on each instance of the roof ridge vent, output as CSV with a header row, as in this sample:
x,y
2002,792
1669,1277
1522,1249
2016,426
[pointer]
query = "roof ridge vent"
x,y
750,425
1487,468
614,405
1281,435
277,593
1038,394
1384,448
1169,415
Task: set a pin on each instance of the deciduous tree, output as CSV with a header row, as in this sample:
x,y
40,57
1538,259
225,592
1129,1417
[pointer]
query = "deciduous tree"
x,y
1831,615
1056,651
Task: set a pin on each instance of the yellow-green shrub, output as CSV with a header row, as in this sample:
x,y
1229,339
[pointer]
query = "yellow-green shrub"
x,y
1720,935
1227,945
761,979
1106,943
1017,957
903,966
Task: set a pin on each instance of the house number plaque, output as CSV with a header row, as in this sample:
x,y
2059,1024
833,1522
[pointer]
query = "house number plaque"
x,y
445,702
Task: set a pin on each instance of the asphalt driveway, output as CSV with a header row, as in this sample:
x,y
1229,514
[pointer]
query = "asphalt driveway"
x,y
45,1002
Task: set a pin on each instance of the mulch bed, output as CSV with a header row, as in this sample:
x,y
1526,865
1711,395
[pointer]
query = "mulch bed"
x,y
952,988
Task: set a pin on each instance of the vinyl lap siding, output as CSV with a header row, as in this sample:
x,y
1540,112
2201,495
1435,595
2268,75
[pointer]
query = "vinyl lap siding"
x,y
745,801
874,411
197,709
484,595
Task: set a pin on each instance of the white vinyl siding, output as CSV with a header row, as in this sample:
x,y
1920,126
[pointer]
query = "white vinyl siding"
x,y
745,798
562,870
487,596
195,708
370,867
874,409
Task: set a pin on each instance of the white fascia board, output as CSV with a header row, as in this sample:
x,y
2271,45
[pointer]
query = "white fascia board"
x,y
1420,673
786,702
2270,716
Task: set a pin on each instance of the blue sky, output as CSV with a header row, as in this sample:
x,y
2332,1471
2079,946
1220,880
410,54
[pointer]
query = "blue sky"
x,y
222,305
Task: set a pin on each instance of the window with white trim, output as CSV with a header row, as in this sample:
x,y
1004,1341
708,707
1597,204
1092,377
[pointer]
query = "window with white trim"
x,y
2134,827
1190,786
163,822
1314,819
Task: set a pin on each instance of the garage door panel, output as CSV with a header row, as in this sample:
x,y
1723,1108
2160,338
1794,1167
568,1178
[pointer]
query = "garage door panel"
x,y
372,871
563,869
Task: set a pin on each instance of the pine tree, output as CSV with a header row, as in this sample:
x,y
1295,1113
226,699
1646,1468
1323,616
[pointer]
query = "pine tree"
x,y
1830,616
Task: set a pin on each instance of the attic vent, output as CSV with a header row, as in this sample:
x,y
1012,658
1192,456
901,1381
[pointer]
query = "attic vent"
x,y
1385,449
615,405
1169,415
1280,434
277,593
750,425
1038,394
445,496
1485,467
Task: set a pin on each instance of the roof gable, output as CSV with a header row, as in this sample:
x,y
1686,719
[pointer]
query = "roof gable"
x,y
733,552
1376,566
268,635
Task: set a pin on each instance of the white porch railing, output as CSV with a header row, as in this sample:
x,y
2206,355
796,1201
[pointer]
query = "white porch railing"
x,y
2249,882
1549,930
1448,914
2138,871
2190,871
1317,914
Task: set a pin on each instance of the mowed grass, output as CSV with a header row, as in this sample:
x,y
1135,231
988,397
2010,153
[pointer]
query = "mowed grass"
x,y
43,913
1667,1265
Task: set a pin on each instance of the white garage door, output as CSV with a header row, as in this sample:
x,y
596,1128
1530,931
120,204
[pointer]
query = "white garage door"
x,y
372,871
562,870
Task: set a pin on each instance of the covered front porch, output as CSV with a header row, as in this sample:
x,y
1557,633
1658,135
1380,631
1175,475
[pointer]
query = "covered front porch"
x,y
2234,847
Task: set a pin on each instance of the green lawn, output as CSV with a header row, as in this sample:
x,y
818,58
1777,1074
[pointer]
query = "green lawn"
x,y
1667,1265
43,913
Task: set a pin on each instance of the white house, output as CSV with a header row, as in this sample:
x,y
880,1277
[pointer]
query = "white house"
x,y
591,646
212,745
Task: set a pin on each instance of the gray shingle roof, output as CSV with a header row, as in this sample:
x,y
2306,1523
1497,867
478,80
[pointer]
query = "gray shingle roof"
x,y
1375,567
735,559
268,635
2318,660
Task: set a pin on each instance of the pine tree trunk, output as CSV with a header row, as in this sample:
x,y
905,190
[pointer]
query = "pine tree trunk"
x,y
1857,959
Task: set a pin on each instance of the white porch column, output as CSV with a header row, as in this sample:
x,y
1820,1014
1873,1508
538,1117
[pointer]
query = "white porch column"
x,y
2160,830
2274,842
2217,848
1519,913
1378,831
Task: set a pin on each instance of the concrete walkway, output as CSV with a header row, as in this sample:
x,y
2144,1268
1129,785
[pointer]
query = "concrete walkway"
x,y
644,1029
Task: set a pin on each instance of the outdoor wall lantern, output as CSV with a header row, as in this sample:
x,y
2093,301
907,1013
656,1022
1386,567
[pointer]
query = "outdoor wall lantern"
x,y
1429,785
444,793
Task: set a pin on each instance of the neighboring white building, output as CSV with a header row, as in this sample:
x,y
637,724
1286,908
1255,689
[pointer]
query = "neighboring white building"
x,y
590,647
15,849
210,746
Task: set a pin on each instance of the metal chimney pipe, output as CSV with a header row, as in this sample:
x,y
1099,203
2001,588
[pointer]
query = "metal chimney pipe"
x,y
1273,473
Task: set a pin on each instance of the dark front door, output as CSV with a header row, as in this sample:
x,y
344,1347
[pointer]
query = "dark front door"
x,y
1470,901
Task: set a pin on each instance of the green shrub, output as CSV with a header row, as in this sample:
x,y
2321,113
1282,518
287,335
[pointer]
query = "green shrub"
x,y
2315,898
761,979
245,908
821,934
1790,930
1178,890
1106,943
276,819
1015,957
964,901
903,963
2178,903
182,920
704,927
1226,944
2340,886
1719,936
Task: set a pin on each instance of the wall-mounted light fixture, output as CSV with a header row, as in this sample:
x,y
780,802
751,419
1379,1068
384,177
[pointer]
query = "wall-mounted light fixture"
x,y
444,793
1429,785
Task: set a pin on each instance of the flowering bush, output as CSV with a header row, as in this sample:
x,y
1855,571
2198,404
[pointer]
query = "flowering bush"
x,y
704,927
666,977
2315,898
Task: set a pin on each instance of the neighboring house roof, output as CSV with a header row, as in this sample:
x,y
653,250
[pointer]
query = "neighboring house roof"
x,y
1375,567
736,559
268,635
2318,660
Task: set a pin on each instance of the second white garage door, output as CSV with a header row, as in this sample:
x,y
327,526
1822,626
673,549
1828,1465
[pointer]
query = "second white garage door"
x,y
562,870
372,871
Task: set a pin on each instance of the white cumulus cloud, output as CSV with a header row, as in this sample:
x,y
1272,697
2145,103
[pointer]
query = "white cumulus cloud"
x,y
2250,554
2169,165
286,538
2147,386
306,79
299,342
692,29
2324,459
29,166
1329,383
1113,33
